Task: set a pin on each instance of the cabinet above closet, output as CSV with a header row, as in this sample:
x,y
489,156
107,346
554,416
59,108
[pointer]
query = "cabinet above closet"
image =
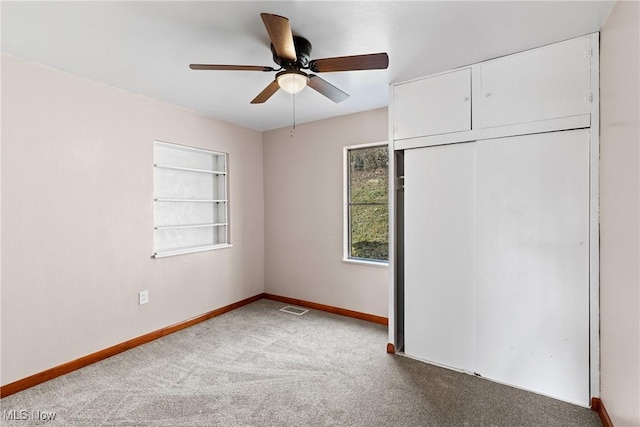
x,y
538,90
433,105
540,84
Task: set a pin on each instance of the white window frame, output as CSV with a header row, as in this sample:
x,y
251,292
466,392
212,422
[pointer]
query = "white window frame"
x,y
217,196
346,231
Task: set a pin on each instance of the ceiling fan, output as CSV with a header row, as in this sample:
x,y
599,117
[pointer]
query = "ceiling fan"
x,y
293,54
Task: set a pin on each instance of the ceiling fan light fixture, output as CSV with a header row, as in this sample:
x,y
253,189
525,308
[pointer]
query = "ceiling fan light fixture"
x,y
292,81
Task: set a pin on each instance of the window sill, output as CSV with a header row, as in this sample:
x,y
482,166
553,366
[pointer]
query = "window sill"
x,y
366,262
190,251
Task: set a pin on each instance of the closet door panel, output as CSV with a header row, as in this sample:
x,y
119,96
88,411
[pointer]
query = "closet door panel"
x,y
540,84
533,263
433,105
439,254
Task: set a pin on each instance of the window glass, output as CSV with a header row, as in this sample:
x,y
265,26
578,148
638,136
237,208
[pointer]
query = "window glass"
x,y
368,203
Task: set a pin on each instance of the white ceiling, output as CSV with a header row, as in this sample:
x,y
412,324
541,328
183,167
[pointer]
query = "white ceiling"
x,y
145,47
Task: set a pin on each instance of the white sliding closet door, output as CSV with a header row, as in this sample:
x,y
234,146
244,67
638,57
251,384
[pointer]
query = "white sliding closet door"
x,y
439,256
532,262
497,260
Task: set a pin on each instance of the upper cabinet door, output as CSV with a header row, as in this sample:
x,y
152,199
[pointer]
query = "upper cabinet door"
x,y
433,105
545,83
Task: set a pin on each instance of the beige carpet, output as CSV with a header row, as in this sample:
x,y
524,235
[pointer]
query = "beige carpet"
x,y
257,366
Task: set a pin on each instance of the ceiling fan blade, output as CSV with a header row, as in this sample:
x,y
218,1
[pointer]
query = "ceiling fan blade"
x,y
327,89
374,61
230,67
266,93
280,34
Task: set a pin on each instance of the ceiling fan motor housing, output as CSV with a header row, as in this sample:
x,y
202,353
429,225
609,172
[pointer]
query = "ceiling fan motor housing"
x,y
303,53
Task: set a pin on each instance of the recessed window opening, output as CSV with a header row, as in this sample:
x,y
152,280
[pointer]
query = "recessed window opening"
x,y
367,203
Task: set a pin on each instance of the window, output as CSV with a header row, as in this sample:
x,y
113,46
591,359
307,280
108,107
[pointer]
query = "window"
x,y
190,200
367,203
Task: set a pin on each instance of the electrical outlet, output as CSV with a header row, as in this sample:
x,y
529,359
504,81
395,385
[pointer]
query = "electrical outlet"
x,y
143,297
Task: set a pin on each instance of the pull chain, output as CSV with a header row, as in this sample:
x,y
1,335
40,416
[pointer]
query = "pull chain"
x,y
293,113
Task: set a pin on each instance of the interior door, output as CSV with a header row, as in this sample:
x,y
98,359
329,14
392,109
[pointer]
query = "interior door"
x,y
532,262
497,260
439,254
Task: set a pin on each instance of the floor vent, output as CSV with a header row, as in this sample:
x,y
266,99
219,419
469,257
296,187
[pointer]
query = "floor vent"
x,y
294,310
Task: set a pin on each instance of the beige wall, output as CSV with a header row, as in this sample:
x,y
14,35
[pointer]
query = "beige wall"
x,y
620,214
77,218
303,214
